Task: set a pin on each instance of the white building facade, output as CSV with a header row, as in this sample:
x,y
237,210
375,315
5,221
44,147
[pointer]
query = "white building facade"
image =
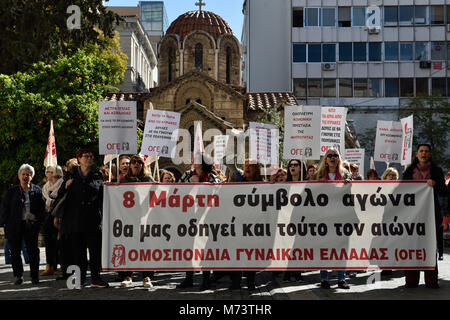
x,y
368,56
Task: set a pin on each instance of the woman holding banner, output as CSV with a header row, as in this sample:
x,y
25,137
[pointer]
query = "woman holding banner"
x,y
252,173
331,169
294,174
137,171
423,168
202,172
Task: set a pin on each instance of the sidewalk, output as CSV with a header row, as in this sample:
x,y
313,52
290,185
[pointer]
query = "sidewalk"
x,y
389,288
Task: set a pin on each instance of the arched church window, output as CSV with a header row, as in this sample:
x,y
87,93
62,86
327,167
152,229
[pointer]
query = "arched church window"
x,y
228,70
170,63
199,57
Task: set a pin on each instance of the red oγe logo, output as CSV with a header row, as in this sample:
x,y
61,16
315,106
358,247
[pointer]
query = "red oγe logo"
x,y
118,256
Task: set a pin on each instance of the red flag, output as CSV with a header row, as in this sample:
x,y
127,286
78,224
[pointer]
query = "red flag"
x,y
50,154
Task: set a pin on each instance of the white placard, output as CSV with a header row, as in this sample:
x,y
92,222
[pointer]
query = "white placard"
x,y
158,140
388,141
332,129
302,132
407,139
117,127
356,156
264,143
220,148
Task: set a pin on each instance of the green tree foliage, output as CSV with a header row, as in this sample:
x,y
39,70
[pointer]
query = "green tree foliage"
x,y
275,116
37,30
431,125
66,92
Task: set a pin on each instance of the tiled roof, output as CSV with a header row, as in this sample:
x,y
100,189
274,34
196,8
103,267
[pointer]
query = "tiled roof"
x,y
199,20
265,100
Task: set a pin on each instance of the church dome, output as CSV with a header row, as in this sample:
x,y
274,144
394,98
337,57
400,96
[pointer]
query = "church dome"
x,y
199,20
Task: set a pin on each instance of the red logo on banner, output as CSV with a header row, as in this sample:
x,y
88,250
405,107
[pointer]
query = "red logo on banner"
x,y
437,65
118,255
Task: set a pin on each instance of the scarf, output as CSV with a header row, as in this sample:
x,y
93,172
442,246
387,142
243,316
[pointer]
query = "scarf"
x,y
336,177
422,172
203,178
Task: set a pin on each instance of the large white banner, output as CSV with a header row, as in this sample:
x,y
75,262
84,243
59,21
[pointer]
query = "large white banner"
x,y
388,141
117,127
264,143
252,226
332,129
302,132
407,139
157,140
356,156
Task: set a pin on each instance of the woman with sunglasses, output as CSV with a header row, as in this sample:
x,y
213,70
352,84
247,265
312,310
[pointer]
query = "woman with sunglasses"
x,y
294,174
137,172
202,171
332,169
81,220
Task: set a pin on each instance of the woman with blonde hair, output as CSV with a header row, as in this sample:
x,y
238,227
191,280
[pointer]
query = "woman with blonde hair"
x,y
332,169
54,176
390,174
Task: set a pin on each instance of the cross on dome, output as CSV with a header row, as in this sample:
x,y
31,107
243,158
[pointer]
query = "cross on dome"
x,y
200,4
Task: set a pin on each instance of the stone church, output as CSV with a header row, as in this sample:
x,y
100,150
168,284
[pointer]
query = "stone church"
x,y
199,63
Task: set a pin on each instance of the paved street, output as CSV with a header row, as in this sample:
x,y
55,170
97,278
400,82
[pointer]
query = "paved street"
x,y
391,288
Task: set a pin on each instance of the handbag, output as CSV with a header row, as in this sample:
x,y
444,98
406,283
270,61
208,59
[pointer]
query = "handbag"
x,y
58,210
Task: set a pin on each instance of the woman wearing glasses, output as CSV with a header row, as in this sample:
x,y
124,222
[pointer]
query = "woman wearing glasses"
x,y
331,169
81,219
294,174
137,172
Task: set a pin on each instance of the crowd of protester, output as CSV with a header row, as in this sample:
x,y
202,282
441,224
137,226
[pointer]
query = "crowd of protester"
x,y
66,207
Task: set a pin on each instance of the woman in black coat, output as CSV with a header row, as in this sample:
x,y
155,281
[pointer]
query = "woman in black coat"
x,y
81,217
22,212
423,168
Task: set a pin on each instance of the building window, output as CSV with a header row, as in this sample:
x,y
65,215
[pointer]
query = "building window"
x,y
374,51
438,87
297,18
406,15
360,87
391,87
448,87
448,14
171,61
344,17
312,17
199,57
391,51
328,17
329,88
314,87
345,51
329,52
314,53
421,51
359,51
421,86
421,15
406,87
406,51
359,17
437,14
300,88
345,88
299,52
228,67
375,88
390,16
438,51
